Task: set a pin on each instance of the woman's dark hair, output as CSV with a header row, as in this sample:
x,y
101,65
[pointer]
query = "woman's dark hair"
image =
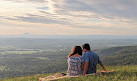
x,y
76,49
86,46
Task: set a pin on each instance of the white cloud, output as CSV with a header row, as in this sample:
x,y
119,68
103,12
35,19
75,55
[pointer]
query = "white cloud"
x,y
90,14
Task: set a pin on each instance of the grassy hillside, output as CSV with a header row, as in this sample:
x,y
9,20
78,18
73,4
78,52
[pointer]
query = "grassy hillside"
x,y
122,73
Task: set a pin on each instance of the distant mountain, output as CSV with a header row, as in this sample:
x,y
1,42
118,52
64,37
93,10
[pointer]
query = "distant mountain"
x,y
28,35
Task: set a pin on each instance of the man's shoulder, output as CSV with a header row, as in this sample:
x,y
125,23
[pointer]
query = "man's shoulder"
x,y
93,53
85,54
89,53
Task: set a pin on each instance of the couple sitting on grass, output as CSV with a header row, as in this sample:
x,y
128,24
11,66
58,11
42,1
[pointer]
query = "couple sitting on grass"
x,y
78,64
82,64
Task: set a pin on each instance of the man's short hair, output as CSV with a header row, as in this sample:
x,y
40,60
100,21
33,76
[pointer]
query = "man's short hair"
x,y
86,46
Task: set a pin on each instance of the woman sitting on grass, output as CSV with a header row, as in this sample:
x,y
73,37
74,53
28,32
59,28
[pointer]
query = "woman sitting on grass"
x,y
75,60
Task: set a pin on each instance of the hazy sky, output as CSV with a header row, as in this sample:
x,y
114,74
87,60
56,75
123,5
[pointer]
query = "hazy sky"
x,y
68,17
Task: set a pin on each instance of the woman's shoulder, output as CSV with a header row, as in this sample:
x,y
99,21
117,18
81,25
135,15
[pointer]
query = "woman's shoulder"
x,y
76,58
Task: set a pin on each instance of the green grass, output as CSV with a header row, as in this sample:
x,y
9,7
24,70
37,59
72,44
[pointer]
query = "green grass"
x,y
28,78
122,73
125,73
25,78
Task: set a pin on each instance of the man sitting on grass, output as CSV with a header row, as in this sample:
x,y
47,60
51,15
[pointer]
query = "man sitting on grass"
x,y
91,60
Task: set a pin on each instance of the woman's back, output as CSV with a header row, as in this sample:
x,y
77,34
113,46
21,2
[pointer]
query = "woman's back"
x,y
75,66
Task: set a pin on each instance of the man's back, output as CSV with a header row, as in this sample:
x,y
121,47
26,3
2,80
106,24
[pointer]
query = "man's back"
x,y
93,60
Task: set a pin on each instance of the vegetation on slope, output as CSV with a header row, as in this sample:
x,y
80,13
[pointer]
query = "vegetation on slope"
x,y
16,65
120,56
